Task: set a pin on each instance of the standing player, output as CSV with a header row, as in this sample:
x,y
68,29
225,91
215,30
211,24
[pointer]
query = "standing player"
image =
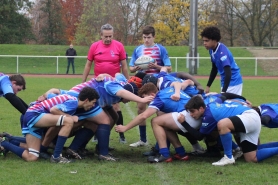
x,y
109,57
222,62
160,54
57,111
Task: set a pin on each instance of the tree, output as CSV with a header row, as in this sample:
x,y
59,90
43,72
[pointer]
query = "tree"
x,y
71,15
172,21
15,27
259,17
53,29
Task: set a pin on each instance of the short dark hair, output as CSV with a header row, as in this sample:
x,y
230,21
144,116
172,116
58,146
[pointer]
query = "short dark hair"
x,y
149,30
88,93
196,102
19,80
212,33
147,88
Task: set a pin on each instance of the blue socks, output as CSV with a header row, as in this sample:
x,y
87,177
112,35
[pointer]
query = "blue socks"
x,y
13,148
180,150
226,140
265,153
59,146
103,134
165,152
268,145
143,134
82,136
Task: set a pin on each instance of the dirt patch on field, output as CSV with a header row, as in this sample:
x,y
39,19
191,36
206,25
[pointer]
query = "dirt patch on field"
x,y
270,66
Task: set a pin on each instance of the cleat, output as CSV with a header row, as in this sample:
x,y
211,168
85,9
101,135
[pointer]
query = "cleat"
x,y
237,153
60,159
139,143
158,159
44,155
84,152
109,149
224,161
107,158
152,152
5,134
122,140
181,158
197,152
72,154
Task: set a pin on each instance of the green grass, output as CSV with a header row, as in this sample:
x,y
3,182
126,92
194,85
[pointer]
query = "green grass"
x,y
133,168
48,65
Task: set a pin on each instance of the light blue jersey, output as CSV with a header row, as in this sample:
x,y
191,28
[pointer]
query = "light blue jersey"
x,y
106,89
270,110
216,111
5,85
223,57
163,102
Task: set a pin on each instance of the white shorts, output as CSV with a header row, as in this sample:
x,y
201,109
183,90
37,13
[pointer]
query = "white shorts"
x,y
234,89
252,123
191,121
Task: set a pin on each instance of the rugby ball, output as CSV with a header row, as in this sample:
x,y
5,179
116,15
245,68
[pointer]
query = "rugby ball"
x,y
143,61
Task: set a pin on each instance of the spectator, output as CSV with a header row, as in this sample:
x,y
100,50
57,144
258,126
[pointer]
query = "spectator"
x,y
71,52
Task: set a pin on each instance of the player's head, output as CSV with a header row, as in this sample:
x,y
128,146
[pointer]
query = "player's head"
x,y
148,35
89,97
195,106
18,83
257,109
211,36
148,89
131,87
149,78
106,33
212,33
136,80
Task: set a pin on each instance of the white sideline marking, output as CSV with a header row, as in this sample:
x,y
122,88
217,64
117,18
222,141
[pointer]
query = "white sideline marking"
x,y
158,167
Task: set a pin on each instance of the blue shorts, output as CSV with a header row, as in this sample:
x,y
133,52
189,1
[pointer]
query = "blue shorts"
x,y
29,120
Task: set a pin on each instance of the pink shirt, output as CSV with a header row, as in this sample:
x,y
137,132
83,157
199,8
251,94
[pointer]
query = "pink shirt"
x,y
107,58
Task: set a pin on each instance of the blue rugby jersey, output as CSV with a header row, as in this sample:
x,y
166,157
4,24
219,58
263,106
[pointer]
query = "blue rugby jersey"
x,y
216,111
163,102
5,85
223,57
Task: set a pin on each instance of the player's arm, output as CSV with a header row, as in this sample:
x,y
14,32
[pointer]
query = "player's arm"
x,y
195,133
186,76
86,71
124,68
212,76
44,96
132,97
228,76
16,102
231,96
177,87
137,120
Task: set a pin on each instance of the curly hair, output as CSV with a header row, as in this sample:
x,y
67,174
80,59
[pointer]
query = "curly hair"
x,y
212,33
147,89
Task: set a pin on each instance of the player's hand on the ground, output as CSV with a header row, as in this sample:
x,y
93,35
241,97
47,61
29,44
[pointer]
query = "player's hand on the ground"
x,y
175,97
120,128
147,99
181,118
207,90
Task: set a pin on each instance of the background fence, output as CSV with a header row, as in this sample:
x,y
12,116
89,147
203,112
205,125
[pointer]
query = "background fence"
x,y
27,64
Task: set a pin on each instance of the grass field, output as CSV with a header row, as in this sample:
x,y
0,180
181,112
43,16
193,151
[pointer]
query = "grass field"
x,y
133,168
48,65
